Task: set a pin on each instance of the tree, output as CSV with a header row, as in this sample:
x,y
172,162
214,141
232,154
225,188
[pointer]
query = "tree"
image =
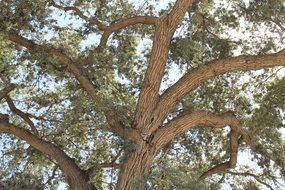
x,y
86,96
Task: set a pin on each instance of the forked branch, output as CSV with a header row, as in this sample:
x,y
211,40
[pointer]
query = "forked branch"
x,y
79,13
196,77
22,114
149,95
74,68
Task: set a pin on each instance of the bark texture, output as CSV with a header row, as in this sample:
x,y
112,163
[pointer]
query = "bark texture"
x,y
136,169
148,131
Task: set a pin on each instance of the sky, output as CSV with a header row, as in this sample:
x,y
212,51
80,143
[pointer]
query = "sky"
x,y
175,73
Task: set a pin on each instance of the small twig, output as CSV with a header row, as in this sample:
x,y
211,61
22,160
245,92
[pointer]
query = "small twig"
x,y
111,164
79,13
251,175
52,175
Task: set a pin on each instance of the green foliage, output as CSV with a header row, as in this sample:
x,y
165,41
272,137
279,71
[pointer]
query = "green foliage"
x,y
66,116
22,181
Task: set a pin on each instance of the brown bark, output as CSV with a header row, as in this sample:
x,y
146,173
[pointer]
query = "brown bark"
x,y
78,177
23,115
4,92
152,109
224,167
194,78
149,95
78,72
186,121
108,30
136,168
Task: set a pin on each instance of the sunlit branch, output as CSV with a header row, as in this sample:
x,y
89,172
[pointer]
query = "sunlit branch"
x,y
203,118
187,121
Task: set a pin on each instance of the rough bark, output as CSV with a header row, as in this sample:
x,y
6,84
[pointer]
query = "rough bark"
x,y
136,168
191,80
186,121
149,95
78,177
152,108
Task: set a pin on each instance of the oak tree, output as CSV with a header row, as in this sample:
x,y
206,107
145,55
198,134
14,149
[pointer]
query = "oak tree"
x,y
102,94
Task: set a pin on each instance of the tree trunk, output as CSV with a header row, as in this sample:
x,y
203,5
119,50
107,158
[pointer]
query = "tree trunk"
x,y
136,169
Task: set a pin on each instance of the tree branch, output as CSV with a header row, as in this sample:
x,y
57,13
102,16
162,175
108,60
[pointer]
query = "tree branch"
x,y
186,121
107,30
149,95
196,77
4,92
150,20
23,115
74,68
111,164
251,175
77,176
79,13
50,178
179,10
224,167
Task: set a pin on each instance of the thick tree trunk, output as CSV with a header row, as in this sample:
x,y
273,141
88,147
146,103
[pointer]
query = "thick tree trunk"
x,y
136,169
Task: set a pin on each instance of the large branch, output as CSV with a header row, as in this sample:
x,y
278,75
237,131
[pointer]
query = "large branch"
x,y
149,95
196,77
74,68
186,121
77,176
202,118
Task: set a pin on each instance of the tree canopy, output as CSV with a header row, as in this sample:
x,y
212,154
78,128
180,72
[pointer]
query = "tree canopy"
x,y
142,94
